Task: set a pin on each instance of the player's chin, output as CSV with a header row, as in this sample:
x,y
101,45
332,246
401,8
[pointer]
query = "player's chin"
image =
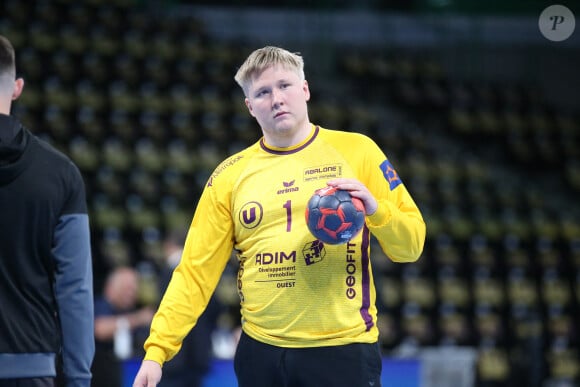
x,y
285,126
282,123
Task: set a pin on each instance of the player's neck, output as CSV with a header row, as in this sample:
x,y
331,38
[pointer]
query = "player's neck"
x,y
294,139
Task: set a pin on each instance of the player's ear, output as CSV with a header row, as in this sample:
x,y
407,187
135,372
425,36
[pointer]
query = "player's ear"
x,y
306,90
249,105
18,86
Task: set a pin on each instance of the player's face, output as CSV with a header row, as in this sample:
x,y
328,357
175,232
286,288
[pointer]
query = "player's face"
x,y
277,98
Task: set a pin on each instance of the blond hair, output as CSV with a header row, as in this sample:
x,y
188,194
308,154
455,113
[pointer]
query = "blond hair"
x,y
266,57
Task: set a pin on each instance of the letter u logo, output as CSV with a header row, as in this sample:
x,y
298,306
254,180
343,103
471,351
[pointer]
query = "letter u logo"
x,y
250,215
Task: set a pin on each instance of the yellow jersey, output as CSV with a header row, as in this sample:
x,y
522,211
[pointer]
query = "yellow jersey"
x,y
294,290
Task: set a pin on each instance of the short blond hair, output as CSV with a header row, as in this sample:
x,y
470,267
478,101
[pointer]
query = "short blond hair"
x,y
266,57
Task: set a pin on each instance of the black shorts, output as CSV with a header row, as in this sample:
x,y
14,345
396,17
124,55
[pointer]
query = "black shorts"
x,y
28,382
261,365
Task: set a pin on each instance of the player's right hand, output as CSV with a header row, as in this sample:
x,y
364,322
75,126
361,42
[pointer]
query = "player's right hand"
x,y
149,374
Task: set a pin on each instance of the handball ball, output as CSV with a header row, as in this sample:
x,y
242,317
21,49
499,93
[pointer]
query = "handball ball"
x,y
333,216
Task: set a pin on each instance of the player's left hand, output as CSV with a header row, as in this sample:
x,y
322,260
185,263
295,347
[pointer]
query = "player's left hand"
x,y
357,190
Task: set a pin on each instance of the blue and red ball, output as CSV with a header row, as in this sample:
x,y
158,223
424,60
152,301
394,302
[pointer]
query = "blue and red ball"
x,y
333,216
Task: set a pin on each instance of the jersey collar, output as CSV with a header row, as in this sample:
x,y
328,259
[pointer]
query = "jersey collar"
x,y
291,149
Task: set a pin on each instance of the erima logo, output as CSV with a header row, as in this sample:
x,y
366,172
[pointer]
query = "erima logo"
x,y
288,187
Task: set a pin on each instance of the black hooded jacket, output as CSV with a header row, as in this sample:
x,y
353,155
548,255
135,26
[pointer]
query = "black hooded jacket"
x,y
46,290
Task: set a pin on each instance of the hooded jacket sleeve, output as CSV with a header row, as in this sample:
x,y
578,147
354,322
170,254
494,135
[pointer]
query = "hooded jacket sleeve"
x,y
74,285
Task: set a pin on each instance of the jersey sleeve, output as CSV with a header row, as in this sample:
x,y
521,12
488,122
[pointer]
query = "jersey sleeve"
x,y
397,224
207,249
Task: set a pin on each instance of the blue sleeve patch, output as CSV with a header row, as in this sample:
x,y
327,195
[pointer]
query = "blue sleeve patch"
x,y
390,174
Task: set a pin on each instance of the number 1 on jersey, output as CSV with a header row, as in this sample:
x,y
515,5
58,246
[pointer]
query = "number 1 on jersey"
x,y
288,207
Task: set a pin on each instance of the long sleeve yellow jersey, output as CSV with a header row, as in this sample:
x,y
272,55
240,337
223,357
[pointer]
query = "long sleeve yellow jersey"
x,y
294,292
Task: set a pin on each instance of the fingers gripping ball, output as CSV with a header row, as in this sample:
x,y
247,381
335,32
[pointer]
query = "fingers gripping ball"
x,y
333,216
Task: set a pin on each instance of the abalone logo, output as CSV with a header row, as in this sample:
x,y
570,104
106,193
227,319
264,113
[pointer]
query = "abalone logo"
x,y
322,172
250,215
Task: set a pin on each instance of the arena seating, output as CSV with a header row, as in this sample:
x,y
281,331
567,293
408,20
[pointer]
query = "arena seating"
x,y
148,107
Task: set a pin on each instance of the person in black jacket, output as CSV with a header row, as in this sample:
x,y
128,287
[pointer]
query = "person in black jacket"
x,y
46,282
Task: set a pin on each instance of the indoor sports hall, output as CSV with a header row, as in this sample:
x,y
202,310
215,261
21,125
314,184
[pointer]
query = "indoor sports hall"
x,y
475,103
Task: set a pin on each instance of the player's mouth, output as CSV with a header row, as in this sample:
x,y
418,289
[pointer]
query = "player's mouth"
x,y
278,115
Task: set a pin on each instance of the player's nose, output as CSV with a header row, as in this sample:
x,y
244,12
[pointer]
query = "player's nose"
x,y
277,99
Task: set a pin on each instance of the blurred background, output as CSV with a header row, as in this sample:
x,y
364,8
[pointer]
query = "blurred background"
x,y
477,110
